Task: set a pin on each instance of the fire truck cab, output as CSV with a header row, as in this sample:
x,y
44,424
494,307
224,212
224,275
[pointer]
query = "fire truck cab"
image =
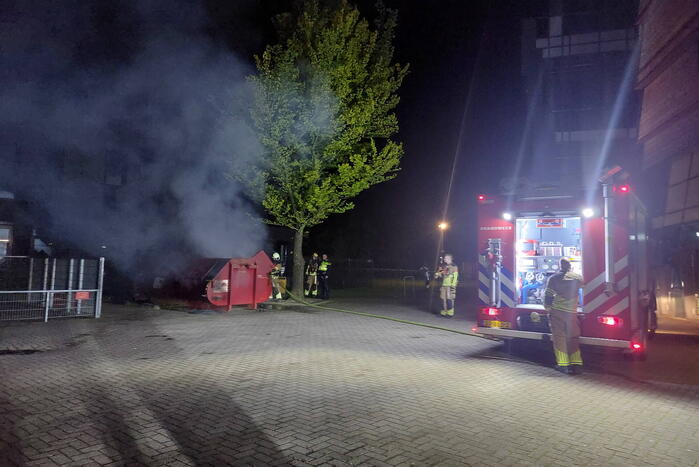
x,y
521,241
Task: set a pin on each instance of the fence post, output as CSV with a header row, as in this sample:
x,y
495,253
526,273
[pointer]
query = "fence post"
x,y
69,300
81,275
100,282
46,306
53,286
46,273
31,277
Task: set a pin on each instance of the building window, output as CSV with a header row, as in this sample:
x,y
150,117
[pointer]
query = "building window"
x,y
542,28
5,237
580,23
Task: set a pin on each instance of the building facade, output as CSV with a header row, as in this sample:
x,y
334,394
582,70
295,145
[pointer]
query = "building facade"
x,y
578,62
668,78
18,237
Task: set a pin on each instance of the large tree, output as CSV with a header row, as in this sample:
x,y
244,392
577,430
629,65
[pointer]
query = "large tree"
x,y
324,105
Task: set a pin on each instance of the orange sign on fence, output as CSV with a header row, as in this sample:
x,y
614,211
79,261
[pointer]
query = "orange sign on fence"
x,y
82,295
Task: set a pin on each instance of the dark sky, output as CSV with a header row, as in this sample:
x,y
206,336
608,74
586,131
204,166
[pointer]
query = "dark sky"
x,y
452,48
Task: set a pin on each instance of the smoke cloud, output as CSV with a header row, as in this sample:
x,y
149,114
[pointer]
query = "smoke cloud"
x,y
118,122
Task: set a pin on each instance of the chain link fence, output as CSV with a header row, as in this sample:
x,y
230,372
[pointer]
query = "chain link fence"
x,y
47,288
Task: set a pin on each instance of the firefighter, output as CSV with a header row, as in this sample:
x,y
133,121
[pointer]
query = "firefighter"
x,y
312,276
323,286
561,302
278,279
448,272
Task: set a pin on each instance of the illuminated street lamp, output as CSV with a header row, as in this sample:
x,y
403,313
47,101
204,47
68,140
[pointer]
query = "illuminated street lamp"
x,y
442,226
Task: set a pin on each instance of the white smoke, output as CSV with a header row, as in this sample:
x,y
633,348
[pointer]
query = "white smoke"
x,y
133,89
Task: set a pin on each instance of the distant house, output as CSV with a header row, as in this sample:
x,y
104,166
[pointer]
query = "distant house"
x,y
17,234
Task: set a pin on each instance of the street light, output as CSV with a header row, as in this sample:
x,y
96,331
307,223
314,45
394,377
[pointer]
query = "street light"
x,y
442,226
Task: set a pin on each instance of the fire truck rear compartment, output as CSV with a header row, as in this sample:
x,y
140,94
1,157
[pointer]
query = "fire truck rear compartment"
x,y
540,243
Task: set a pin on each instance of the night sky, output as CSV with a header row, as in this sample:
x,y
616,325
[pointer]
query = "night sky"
x,y
453,47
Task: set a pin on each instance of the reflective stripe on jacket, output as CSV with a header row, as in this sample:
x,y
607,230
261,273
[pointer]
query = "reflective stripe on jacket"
x,y
324,265
312,267
562,291
451,276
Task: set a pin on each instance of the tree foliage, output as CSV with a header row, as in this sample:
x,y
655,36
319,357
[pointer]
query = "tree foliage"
x,y
324,105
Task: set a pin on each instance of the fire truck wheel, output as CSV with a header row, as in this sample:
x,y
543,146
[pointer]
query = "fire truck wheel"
x,y
512,346
508,346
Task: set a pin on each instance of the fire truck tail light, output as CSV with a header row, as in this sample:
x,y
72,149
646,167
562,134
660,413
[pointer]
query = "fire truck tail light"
x,y
609,320
481,197
490,311
636,346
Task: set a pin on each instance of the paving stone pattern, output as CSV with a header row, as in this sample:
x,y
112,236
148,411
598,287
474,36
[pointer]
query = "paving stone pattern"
x,y
311,387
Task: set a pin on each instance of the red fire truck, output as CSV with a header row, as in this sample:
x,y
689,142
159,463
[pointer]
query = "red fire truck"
x,y
522,239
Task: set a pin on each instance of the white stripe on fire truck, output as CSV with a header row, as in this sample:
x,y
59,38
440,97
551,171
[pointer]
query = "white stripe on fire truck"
x,y
483,278
623,283
504,279
507,300
599,280
507,282
619,307
602,298
484,297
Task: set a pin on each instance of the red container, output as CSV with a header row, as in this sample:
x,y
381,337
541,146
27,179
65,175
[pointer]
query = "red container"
x,y
241,281
221,283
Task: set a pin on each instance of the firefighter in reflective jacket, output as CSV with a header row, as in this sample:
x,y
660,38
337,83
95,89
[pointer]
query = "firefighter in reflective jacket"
x,y
323,286
312,276
448,272
278,279
561,302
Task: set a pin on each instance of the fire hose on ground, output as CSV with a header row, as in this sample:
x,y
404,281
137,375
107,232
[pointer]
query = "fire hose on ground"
x,y
389,318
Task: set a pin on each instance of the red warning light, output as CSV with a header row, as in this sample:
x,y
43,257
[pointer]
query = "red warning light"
x,y
624,189
636,346
481,197
474,329
491,311
609,320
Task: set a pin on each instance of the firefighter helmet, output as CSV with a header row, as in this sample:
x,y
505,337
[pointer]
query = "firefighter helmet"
x,y
276,257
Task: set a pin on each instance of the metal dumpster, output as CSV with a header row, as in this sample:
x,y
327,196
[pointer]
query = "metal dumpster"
x,y
218,283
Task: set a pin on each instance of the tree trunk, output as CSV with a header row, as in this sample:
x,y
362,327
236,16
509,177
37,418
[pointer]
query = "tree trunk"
x,y
297,286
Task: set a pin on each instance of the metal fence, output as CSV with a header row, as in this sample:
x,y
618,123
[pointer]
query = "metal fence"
x,y
47,288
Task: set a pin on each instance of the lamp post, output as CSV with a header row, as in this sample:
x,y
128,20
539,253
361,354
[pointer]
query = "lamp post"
x,y
442,226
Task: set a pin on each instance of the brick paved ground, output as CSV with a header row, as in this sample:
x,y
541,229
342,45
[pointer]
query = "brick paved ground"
x,y
673,355
315,387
